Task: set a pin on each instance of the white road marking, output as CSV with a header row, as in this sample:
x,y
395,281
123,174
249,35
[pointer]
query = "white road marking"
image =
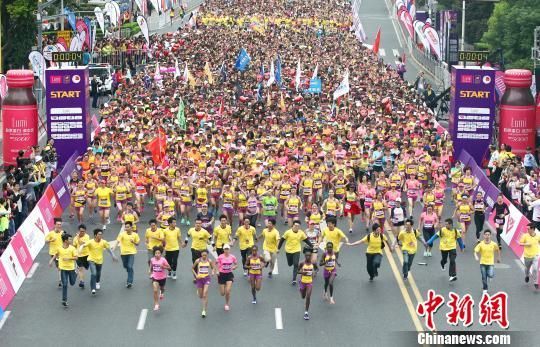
x,y
7,313
32,270
501,266
395,52
382,52
279,319
520,264
142,319
275,271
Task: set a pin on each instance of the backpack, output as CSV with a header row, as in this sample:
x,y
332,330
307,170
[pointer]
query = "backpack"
x,y
382,240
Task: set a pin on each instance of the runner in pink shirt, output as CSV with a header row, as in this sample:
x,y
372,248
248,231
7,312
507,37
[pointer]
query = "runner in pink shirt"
x,y
226,264
158,265
428,223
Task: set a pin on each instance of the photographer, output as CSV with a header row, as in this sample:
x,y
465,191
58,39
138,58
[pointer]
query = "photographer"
x,y
94,90
50,159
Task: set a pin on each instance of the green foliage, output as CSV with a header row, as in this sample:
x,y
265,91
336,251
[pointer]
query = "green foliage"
x,y
511,28
19,25
476,17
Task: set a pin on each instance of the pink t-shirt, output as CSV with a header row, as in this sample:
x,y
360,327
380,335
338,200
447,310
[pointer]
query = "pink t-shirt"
x,y
429,219
225,264
158,268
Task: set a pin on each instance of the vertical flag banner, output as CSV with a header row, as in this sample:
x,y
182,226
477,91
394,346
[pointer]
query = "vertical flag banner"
x,y
155,5
377,42
315,72
71,18
38,65
82,27
109,10
243,60
144,28
117,12
343,87
176,68
433,38
181,115
140,5
278,71
100,19
272,77
88,23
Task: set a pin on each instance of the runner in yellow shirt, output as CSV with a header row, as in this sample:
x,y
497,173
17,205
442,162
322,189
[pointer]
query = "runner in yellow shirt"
x,y
334,235
66,255
246,235
153,236
487,249
531,249
270,244
449,237
408,239
82,258
128,242
103,194
173,235
199,240
95,248
375,241
222,234
293,245
54,239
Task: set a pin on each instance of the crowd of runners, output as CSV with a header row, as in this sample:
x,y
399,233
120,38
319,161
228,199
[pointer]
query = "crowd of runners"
x,y
265,166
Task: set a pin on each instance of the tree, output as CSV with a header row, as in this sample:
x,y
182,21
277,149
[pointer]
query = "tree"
x,y
19,24
511,28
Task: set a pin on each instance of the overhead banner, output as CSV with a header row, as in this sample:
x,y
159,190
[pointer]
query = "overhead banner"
x,y
68,119
472,110
144,28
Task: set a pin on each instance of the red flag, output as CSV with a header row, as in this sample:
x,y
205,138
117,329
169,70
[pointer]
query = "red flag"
x,y
377,42
158,147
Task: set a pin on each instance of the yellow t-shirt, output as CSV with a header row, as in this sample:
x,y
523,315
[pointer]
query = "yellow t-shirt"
x,y
294,240
222,235
150,236
334,236
126,246
408,240
199,239
246,236
307,276
532,250
96,250
375,243
448,239
487,252
62,253
271,240
171,239
55,241
78,241
104,196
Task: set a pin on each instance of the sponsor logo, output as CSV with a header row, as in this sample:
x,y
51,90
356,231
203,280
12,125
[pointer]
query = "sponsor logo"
x,y
55,79
66,79
486,79
76,78
466,78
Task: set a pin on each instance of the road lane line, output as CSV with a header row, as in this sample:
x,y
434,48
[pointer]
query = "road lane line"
x,y
32,270
142,319
275,271
279,319
4,319
390,12
404,293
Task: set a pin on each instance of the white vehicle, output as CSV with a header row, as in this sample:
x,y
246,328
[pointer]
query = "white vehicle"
x,y
104,73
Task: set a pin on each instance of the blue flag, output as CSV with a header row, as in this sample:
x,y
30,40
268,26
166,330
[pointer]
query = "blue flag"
x,y
278,71
223,72
315,86
71,18
242,62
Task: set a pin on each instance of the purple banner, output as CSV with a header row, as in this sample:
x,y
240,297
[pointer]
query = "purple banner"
x,y
68,120
472,110
485,186
69,167
62,191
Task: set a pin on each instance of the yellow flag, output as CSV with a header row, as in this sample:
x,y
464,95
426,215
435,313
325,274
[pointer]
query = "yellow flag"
x,y
208,73
282,103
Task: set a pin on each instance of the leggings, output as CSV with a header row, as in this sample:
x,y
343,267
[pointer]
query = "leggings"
x,y
172,258
479,220
245,253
